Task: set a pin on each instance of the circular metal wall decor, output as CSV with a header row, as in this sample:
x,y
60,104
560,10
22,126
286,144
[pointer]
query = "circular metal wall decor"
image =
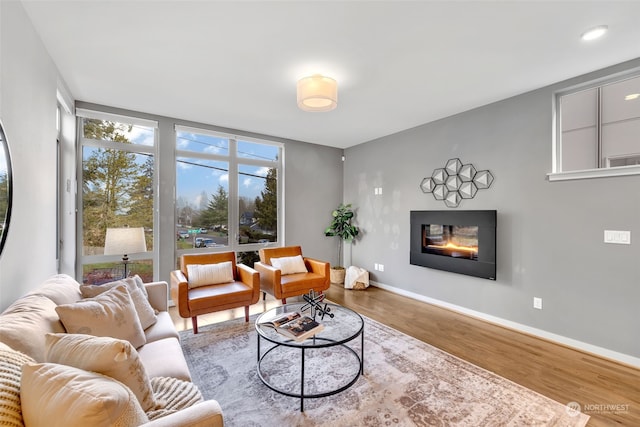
x,y
6,187
455,182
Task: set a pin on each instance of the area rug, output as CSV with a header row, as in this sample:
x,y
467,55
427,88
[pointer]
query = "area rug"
x,y
405,383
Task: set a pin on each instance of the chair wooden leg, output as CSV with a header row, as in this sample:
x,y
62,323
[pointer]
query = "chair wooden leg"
x,y
264,296
284,300
246,313
194,322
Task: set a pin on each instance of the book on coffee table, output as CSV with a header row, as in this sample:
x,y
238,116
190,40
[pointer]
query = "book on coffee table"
x,y
295,325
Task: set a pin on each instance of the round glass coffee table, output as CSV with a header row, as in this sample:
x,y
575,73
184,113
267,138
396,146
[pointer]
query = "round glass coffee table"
x,y
320,366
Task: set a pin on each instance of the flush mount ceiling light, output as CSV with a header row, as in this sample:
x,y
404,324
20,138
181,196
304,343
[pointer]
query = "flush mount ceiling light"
x,y
317,93
632,96
594,33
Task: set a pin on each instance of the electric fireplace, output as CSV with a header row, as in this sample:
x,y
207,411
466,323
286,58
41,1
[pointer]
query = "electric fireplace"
x,y
458,241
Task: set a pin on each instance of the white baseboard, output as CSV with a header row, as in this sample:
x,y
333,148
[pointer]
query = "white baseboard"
x,y
569,342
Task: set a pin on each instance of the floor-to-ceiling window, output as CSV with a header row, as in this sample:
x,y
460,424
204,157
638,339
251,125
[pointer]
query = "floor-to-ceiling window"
x,y
228,193
117,171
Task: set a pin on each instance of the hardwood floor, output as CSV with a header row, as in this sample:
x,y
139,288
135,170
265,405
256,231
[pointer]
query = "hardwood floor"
x,y
563,374
607,391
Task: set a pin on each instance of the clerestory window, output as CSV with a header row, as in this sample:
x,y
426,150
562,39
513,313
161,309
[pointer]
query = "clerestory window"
x,y
598,130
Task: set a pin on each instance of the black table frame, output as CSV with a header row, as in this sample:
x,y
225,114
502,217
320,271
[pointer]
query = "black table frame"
x,y
318,342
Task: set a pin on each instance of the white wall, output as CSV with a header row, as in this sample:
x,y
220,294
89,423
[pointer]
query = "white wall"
x,y
28,79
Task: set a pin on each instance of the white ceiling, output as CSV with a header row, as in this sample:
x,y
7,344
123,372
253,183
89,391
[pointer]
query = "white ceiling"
x,y
398,64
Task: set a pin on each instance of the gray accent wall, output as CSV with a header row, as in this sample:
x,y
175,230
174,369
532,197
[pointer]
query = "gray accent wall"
x,y
549,234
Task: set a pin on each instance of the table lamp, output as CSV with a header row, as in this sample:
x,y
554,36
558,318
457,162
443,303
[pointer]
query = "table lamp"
x,y
124,241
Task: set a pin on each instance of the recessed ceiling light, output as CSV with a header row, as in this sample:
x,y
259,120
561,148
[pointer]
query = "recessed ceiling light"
x,y
632,96
594,33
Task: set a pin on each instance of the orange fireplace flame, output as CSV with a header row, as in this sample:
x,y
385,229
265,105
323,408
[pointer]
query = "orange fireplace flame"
x,y
452,246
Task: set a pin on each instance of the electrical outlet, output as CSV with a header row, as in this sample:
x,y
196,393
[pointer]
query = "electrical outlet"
x,y
375,266
537,303
381,267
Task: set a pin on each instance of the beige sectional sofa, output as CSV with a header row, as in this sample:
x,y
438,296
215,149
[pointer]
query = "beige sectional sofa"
x,y
53,323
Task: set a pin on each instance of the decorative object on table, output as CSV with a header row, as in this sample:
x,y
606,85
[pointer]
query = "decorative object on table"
x,y
295,325
342,228
356,278
124,241
455,182
314,302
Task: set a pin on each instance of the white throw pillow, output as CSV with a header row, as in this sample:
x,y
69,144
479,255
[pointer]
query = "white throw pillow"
x,y
209,274
110,314
137,280
108,356
289,264
146,313
55,395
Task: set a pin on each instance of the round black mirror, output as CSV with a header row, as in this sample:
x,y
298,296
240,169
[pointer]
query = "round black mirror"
x,y
6,188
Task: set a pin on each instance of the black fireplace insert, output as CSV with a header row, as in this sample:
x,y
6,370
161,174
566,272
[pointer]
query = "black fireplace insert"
x,y
458,241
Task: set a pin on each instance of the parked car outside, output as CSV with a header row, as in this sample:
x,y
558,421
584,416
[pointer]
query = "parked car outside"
x,y
182,234
205,243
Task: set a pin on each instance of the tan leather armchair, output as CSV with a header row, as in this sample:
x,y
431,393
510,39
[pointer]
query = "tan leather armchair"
x,y
284,286
242,292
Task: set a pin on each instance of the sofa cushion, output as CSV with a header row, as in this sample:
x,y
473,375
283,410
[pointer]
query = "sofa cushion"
x,y
164,358
112,357
110,314
209,274
60,288
289,265
163,328
89,290
55,395
24,323
146,313
137,281
11,362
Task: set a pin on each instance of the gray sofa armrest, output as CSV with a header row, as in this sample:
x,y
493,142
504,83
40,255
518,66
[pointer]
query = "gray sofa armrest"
x,y
203,414
158,295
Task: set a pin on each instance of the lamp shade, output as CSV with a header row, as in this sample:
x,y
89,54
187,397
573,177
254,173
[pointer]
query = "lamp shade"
x,y
317,93
124,241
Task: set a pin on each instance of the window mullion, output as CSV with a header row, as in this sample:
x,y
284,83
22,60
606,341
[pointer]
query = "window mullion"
x,y
112,145
234,216
599,161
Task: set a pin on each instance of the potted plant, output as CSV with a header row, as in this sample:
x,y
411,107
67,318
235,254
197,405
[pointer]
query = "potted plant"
x,y
341,227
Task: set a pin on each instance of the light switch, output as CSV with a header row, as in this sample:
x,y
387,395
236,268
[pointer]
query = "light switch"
x,y
617,237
